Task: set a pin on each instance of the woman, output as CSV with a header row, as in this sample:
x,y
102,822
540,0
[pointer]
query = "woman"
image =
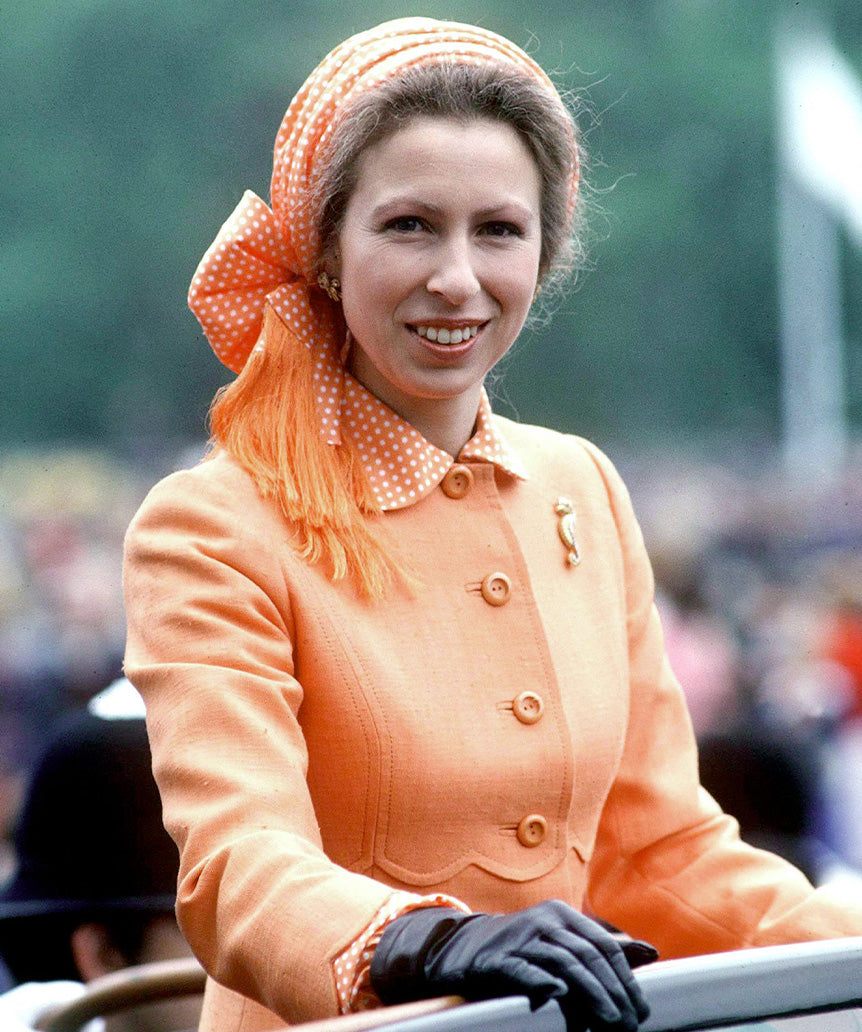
x,y
405,684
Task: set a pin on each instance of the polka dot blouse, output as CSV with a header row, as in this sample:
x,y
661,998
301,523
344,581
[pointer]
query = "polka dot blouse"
x,y
401,465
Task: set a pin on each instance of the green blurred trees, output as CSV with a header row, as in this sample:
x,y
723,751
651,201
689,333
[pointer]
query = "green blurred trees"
x,y
132,130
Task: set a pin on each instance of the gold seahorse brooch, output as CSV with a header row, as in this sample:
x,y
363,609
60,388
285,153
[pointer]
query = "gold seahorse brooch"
x,y
566,528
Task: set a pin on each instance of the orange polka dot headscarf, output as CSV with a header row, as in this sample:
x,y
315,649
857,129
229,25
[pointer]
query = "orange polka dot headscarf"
x,y
264,255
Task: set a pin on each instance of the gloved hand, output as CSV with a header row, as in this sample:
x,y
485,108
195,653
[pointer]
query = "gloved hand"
x,y
548,950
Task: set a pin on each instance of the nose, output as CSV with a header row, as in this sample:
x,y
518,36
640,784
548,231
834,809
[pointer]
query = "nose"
x,y
454,276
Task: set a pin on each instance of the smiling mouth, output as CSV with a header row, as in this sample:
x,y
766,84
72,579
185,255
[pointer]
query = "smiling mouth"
x,y
447,335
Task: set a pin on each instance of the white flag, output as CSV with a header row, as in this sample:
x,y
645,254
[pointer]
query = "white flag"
x,y
821,124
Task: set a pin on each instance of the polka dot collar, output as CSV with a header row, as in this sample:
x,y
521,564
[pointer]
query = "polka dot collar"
x,y
401,465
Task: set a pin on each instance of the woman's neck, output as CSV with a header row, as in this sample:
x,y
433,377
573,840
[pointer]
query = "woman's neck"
x,y
448,423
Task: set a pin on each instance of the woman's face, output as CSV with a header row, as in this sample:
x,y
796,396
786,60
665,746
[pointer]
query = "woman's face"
x,y
438,257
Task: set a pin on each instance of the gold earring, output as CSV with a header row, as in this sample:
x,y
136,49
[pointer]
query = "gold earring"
x,y
330,285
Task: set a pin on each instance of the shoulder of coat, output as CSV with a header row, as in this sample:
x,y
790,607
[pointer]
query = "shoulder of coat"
x,y
541,446
217,484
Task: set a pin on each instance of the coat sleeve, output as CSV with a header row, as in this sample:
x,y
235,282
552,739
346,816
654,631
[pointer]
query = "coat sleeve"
x,y
210,649
668,863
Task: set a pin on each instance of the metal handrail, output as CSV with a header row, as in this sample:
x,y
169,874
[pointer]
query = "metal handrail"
x,y
752,985
711,991
130,987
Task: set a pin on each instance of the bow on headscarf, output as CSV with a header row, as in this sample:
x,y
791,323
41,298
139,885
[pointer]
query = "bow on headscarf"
x,y
270,255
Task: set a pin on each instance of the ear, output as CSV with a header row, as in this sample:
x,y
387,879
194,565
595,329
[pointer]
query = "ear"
x,y
330,259
94,952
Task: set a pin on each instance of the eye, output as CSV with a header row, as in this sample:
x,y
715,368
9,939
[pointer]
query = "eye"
x,y
405,224
502,229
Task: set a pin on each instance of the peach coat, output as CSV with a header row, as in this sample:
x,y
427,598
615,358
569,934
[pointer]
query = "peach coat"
x,y
313,749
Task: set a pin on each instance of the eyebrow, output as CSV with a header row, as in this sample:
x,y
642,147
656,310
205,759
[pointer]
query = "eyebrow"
x,y
411,202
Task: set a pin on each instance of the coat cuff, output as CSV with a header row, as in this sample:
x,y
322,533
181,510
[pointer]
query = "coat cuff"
x,y
352,967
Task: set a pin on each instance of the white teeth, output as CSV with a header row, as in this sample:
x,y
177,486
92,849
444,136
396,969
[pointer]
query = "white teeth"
x,y
442,335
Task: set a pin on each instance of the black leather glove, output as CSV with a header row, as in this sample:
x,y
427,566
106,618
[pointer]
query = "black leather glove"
x,y
548,950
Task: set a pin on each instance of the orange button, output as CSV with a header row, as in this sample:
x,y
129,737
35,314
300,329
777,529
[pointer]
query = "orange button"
x,y
457,482
528,707
496,589
532,830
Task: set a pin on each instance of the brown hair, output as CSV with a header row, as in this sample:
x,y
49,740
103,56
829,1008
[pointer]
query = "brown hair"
x,y
267,418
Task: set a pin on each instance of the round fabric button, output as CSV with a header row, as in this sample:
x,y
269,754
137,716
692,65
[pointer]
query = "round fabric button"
x,y
528,707
532,830
457,481
496,589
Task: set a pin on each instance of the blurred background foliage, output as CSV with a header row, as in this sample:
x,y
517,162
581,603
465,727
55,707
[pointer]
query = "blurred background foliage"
x,y
133,128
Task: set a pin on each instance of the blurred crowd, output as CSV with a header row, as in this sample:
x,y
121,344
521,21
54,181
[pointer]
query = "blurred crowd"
x,y
87,871
63,515
759,583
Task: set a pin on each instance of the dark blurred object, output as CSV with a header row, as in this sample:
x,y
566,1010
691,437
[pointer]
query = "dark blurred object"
x,y
769,780
90,847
